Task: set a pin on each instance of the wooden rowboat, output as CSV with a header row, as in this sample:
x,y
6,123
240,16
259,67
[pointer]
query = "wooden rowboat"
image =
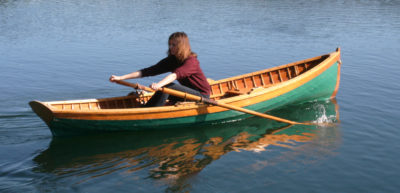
x,y
311,79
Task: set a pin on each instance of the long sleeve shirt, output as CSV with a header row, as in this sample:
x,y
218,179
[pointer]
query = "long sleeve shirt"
x,y
187,73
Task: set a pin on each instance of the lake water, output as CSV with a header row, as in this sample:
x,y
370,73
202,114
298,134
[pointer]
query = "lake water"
x,y
61,50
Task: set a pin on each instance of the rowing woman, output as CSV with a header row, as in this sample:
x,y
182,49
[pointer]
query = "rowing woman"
x,y
184,67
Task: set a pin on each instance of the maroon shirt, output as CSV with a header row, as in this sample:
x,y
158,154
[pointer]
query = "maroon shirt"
x,y
187,73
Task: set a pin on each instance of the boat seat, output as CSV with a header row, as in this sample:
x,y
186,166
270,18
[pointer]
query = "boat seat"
x,y
231,93
184,103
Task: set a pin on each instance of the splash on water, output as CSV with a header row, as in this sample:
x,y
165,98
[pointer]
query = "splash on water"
x,y
321,114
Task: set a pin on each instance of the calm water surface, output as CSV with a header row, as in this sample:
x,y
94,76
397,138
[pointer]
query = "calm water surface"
x,y
61,50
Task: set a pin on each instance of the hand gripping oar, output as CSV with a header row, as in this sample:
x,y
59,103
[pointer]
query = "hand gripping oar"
x,y
208,101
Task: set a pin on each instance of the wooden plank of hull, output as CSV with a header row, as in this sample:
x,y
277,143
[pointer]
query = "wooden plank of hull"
x,y
295,89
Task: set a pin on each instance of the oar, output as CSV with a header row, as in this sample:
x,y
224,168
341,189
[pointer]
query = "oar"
x,y
208,101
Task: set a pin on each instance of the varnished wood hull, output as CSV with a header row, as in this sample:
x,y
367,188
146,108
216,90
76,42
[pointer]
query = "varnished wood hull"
x,y
310,79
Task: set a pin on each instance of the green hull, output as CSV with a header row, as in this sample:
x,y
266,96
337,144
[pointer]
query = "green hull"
x,y
321,87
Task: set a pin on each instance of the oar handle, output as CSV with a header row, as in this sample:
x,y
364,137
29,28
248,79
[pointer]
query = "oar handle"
x,y
134,85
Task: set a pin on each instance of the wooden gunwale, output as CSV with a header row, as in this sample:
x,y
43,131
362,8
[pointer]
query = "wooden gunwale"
x,y
194,109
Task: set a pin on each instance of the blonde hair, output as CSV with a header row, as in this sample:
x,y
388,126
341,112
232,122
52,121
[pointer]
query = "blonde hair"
x,y
184,50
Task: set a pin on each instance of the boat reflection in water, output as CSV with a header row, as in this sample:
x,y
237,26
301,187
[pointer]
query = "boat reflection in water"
x,y
171,154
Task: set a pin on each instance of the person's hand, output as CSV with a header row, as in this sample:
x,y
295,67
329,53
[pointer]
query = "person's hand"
x,y
114,78
154,86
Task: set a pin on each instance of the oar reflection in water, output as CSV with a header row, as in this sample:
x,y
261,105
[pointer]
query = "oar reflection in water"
x,y
175,153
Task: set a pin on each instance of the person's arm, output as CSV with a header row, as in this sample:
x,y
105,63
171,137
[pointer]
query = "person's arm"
x,y
168,79
159,68
132,75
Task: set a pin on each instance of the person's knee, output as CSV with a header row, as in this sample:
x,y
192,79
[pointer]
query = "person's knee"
x,y
170,85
